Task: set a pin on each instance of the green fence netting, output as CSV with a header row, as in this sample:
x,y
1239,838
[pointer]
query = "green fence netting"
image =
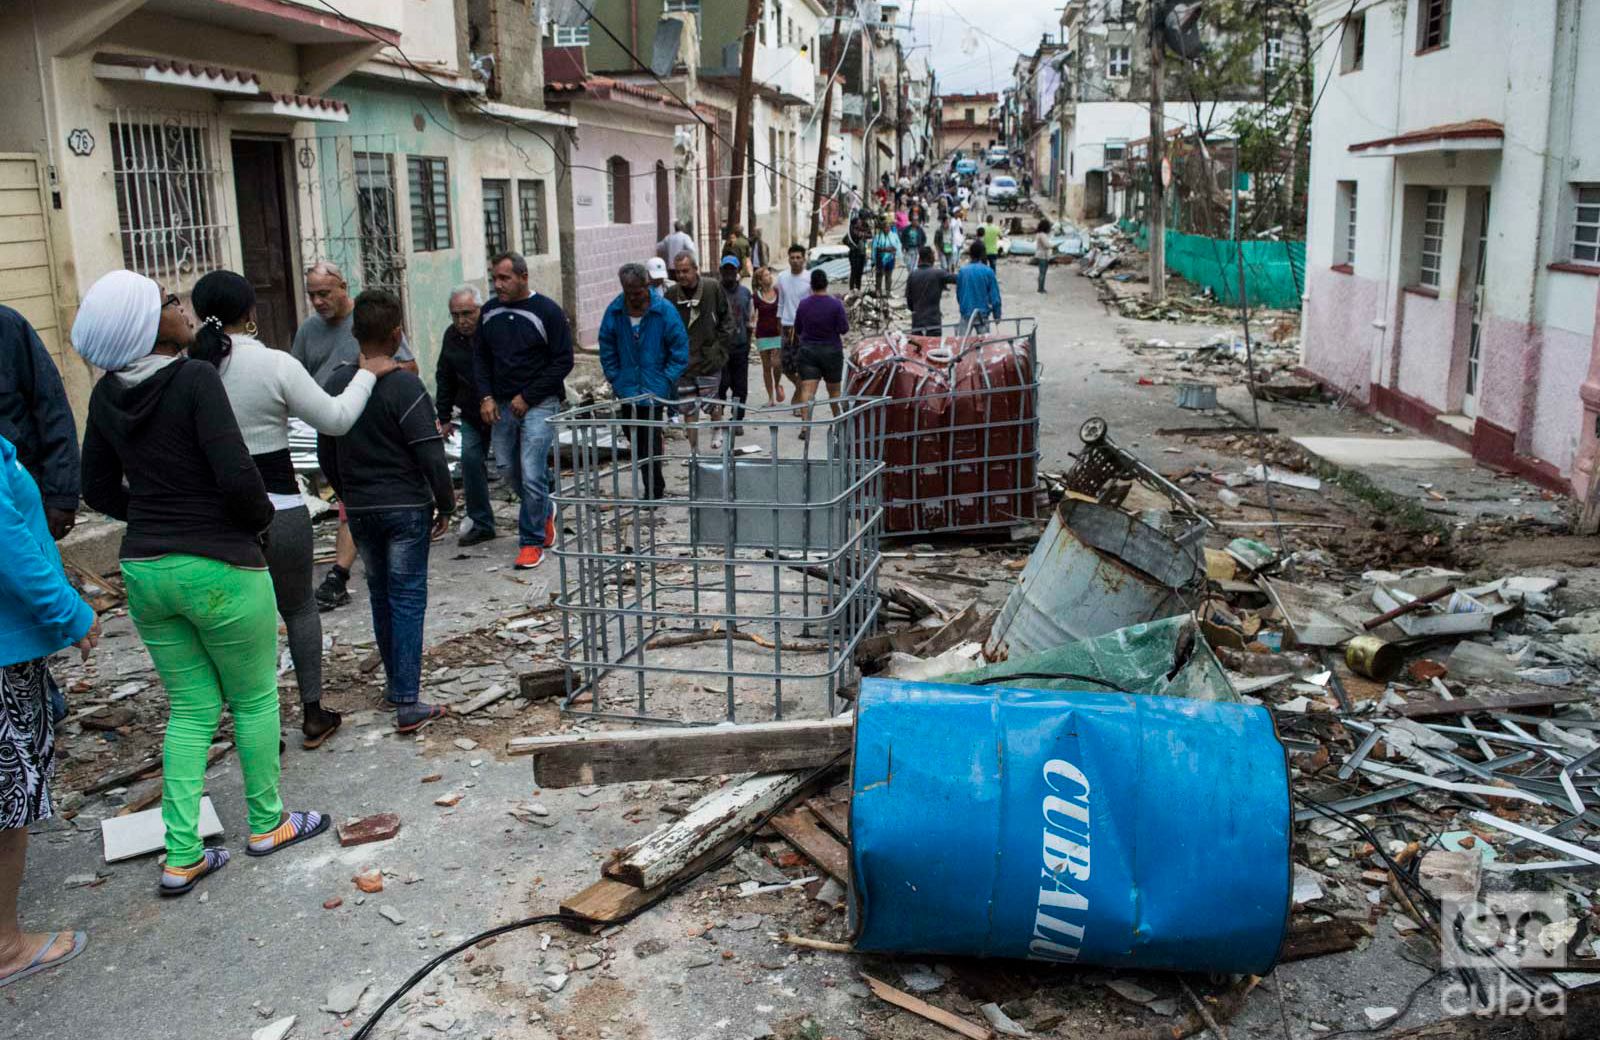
x,y
1274,272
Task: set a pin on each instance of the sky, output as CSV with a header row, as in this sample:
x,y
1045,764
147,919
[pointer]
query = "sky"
x,y
972,44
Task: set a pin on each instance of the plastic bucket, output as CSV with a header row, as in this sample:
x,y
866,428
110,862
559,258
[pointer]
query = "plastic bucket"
x,y
1095,828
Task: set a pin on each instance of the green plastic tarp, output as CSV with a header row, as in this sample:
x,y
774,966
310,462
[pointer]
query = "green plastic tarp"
x,y
1168,657
1274,272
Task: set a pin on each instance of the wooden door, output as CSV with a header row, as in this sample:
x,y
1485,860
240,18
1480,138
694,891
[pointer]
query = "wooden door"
x,y
264,236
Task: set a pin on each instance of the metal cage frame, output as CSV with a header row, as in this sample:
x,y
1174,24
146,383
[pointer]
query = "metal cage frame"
x,y
781,544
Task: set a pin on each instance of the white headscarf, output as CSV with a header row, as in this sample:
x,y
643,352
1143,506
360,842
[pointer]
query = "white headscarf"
x,y
117,320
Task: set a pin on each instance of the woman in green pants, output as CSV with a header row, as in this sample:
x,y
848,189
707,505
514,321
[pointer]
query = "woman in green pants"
x,y
196,578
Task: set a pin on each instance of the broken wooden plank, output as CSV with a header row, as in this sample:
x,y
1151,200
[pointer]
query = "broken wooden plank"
x,y
1320,938
543,684
609,901
618,756
733,810
971,623
922,1009
799,828
1541,698
834,815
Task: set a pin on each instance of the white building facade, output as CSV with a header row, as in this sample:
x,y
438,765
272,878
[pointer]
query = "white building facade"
x,y
1453,248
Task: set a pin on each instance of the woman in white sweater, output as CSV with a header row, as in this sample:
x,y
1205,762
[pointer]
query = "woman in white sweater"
x,y
265,387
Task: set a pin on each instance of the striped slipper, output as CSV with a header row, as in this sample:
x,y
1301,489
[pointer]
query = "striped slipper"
x,y
296,827
177,881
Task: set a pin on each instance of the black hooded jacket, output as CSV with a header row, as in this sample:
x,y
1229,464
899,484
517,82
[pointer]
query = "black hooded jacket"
x,y
191,485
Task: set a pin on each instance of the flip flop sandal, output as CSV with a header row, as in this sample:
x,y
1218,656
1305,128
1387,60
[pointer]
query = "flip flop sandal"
x,y
312,743
212,860
301,835
38,964
435,713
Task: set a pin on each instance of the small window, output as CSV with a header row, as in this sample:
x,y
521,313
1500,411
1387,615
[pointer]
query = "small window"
x,y
430,203
972,115
1353,49
572,36
494,218
1432,237
1433,25
619,191
1119,61
1116,151
1345,254
531,214
1586,224
1274,51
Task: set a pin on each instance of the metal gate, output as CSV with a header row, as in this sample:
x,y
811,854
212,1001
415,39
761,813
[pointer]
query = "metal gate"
x,y
347,201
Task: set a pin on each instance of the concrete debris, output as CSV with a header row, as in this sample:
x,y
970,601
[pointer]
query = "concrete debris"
x,y
390,914
274,1030
344,999
556,983
1000,1021
919,978
380,827
1130,991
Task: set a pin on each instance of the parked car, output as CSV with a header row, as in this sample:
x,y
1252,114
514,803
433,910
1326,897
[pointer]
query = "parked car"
x,y
999,157
1003,192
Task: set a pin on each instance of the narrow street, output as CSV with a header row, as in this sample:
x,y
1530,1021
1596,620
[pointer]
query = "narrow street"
x,y
262,943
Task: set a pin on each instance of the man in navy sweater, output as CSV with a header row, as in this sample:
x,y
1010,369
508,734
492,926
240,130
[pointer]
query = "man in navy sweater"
x,y
523,356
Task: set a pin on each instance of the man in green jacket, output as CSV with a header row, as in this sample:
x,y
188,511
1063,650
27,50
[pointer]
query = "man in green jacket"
x,y
708,317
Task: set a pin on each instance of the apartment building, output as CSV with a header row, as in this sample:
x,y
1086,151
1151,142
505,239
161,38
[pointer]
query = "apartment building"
x,y
1453,252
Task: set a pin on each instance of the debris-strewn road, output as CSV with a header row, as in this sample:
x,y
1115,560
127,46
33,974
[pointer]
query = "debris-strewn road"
x,y
293,934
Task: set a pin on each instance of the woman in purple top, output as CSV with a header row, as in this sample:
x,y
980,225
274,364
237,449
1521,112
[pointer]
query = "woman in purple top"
x,y
820,323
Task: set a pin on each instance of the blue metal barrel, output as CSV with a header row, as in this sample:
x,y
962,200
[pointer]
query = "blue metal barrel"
x,y
1094,828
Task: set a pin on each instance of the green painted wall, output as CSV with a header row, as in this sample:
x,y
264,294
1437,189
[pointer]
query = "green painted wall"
x,y
389,115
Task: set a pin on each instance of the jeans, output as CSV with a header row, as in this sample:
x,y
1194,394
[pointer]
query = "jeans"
x,y
979,322
211,632
475,477
1044,265
858,266
394,552
529,438
736,378
289,553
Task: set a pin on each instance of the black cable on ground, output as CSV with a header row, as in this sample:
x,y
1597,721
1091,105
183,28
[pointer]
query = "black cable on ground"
x,y
578,920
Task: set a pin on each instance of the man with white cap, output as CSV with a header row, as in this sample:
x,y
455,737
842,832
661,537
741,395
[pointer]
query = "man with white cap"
x,y
656,268
163,452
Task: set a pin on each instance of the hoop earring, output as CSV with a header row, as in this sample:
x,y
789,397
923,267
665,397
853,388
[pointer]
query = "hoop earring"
x,y
249,328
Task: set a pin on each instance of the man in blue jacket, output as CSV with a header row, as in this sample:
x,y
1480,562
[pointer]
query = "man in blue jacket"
x,y
523,357
977,290
644,350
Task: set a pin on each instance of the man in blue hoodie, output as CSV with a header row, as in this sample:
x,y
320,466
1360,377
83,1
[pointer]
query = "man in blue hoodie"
x,y
644,350
977,290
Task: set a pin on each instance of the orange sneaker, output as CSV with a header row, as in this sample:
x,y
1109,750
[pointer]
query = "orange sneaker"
x,y
529,557
550,530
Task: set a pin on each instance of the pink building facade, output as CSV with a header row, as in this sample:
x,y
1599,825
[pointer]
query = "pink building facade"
x,y
1453,253
622,177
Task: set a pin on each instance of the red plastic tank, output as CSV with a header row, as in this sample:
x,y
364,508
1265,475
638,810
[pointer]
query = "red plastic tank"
x,y
961,429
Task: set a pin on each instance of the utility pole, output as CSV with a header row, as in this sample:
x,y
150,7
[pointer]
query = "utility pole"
x,y
820,186
899,109
1158,139
742,120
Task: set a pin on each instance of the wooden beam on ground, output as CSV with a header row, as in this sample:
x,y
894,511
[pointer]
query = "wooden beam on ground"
x,y
619,756
922,1009
1542,698
800,829
834,815
609,901
1320,938
734,810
